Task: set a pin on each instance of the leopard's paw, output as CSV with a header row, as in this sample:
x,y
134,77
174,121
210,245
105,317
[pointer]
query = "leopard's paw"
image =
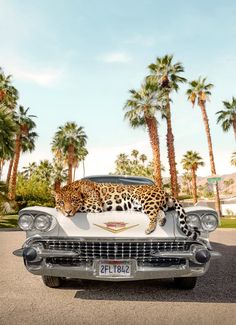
x,y
162,222
149,230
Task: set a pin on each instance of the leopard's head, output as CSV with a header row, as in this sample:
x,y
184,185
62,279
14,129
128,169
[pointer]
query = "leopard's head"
x,y
68,202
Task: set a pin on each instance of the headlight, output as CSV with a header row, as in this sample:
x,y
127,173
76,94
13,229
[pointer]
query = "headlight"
x,y
42,222
209,222
26,221
193,221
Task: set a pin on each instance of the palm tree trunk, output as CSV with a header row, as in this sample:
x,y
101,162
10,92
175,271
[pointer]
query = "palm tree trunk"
x,y
154,139
211,155
9,171
74,174
70,163
83,168
234,126
12,184
194,186
2,161
171,152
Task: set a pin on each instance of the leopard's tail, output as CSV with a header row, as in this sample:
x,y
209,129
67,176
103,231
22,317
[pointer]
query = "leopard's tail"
x,y
191,233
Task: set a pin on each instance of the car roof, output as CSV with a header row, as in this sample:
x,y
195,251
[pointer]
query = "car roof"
x,y
120,179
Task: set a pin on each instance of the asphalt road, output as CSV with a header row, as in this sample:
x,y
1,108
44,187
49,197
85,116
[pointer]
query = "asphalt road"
x,y
25,300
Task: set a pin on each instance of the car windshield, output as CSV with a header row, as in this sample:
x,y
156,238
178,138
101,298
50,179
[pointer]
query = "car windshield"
x,y
126,180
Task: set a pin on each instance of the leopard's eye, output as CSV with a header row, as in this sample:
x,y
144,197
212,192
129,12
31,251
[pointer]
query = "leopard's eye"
x,y
60,202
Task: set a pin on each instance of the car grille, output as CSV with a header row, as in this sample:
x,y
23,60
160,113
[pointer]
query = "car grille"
x,y
88,251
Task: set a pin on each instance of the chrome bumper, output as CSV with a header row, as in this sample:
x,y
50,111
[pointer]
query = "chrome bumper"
x,y
189,269
141,273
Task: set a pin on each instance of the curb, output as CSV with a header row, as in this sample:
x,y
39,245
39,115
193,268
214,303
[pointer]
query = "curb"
x,y
10,229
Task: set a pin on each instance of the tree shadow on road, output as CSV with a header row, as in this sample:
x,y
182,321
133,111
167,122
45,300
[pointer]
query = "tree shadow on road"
x,y
216,286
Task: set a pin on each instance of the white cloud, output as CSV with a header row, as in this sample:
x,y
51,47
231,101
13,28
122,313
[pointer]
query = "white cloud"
x,y
21,69
43,77
116,57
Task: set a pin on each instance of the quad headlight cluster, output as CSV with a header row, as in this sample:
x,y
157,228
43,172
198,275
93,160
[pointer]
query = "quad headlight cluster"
x,y
205,222
40,222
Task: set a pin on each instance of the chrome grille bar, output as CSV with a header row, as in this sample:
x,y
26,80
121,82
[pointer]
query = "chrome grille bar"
x,y
87,251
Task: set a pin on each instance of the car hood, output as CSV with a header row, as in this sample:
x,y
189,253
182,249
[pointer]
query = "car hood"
x,y
128,224
112,224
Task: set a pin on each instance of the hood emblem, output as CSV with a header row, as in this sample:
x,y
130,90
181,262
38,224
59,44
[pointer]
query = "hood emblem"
x,y
115,227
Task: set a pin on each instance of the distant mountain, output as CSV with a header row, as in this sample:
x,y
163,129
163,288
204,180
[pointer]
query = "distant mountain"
x,y
223,187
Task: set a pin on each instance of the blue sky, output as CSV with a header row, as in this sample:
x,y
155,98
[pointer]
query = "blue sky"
x,y
76,60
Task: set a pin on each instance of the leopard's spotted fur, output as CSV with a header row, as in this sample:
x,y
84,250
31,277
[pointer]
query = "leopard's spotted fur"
x,y
87,196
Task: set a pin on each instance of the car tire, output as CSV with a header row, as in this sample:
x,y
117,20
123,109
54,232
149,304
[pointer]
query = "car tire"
x,y
52,281
186,283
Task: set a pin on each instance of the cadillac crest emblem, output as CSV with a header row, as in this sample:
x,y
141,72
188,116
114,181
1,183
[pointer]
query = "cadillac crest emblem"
x,y
115,226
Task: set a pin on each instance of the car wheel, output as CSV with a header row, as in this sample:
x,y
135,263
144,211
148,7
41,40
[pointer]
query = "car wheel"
x,y
51,281
185,283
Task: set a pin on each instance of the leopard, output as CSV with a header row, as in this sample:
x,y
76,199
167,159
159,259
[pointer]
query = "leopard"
x,y
86,196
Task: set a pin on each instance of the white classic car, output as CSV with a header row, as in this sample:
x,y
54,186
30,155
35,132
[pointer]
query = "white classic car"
x,y
113,246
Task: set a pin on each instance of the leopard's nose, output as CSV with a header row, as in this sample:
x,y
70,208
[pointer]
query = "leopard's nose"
x,y
68,212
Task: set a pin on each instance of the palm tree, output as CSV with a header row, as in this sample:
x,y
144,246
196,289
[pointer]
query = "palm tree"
x,y
29,170
166,75
143,158
25,136
191,162
59,174
233,159
44,170
122,164
8,93
81,154
67,142
7,135
135,154
141,110
186,179
227,117
200,90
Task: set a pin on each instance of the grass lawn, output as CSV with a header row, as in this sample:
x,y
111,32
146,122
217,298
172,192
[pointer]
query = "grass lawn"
x,y
8,221
228,222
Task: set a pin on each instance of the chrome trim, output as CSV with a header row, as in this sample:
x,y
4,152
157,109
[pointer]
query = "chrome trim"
x,y
87,251
200,214
18,252
59,253
202,223
215,255
141,273
113,239
56,253
172,254
87,270
35,214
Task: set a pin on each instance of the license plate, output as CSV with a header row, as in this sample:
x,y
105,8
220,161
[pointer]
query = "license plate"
x,y
114,268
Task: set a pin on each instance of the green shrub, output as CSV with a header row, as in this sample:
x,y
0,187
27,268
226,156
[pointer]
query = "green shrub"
x,y
185,197
33,192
